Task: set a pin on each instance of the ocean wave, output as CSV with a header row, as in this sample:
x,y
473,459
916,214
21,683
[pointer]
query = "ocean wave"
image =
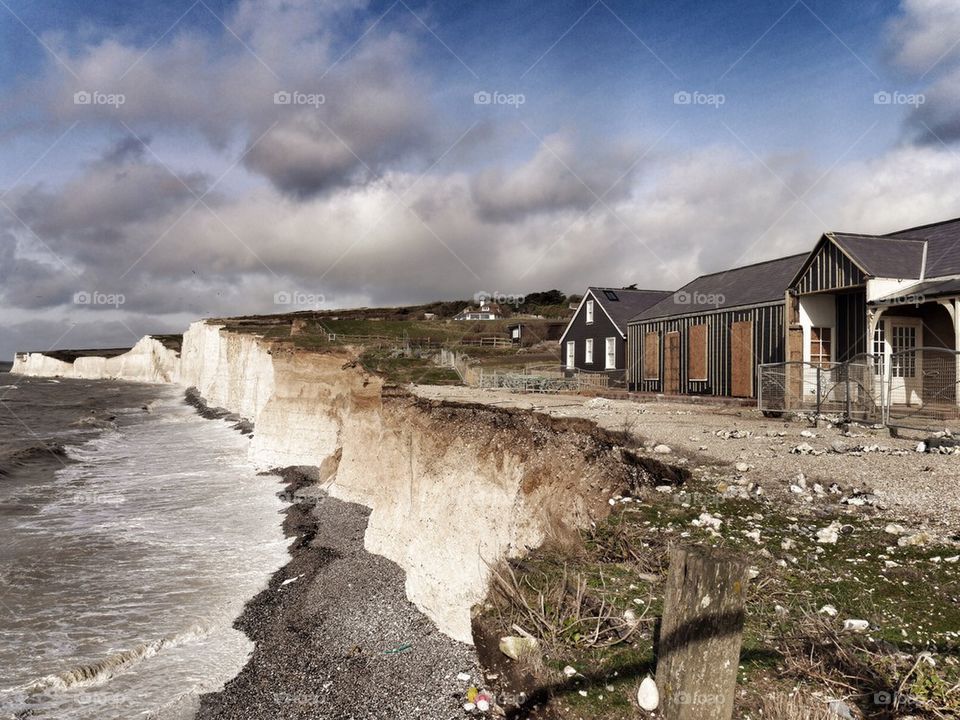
x,y
10,461
98,673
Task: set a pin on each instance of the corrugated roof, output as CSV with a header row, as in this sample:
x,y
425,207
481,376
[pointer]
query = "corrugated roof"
x,y
883,256
627,304
748,285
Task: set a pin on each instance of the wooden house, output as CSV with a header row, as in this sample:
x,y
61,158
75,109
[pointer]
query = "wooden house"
x,y
595,338
709,336
852,296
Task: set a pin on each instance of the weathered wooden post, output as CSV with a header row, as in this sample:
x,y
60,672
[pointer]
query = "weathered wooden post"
x,y
701,633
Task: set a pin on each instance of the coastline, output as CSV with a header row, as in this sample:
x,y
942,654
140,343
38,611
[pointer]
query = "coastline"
x,y
334,634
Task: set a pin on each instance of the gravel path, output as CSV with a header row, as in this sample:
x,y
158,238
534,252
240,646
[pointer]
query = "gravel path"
x,y
920,488
341,641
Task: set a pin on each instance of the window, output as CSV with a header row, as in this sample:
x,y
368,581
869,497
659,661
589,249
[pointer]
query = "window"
x,y
879,348
611,354
589,311
651,356
903,363
820,346
611,295
588,350
571,350
697,352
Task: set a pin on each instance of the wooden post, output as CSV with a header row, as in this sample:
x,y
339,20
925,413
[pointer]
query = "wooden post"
x,y
701,633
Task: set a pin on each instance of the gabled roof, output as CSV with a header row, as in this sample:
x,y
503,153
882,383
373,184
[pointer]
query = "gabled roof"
x,y
624,304
743,286
618,304
943,246
880,256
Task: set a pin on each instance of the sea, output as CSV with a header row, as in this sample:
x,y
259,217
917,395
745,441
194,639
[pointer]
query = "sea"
x,y
132,532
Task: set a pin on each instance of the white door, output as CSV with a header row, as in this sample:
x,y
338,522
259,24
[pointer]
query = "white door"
x,y
906,376
571,349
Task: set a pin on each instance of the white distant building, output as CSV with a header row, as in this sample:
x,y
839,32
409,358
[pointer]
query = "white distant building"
x,y
486,311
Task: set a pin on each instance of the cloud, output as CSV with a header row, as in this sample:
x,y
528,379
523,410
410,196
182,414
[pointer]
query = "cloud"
x,y
559,176
924,43
924,35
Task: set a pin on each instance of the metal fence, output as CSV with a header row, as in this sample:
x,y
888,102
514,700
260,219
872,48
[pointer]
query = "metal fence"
x,y
923,389
545,379
853,389
917,389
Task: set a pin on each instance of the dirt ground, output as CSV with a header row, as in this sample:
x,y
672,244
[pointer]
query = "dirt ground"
x,y
920,488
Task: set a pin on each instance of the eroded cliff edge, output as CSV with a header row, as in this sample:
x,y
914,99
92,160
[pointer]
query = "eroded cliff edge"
x,y
452,488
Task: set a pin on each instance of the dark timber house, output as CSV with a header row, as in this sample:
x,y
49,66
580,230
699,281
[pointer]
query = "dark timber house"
x,y
708,337
852,296
595,337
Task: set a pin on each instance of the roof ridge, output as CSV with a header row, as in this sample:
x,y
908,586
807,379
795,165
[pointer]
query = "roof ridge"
x,y
921,227
601,287
877,237
743,267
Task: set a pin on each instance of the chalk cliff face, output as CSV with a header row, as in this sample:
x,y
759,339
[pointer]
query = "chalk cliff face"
x,y
452,488
148,361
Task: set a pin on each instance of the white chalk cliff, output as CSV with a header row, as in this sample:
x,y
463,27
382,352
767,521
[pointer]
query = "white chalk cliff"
x,y
451,488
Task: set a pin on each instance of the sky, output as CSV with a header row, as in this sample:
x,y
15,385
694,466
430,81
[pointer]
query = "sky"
x,y
163,162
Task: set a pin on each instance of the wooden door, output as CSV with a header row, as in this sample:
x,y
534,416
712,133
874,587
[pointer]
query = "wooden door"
x,y
741,359
671,363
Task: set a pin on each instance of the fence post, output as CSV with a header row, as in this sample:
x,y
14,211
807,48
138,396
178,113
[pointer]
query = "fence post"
x,y
846,369
701,633
816,420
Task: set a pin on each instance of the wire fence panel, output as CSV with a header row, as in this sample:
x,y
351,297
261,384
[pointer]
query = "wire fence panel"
x,y
851,389
922,389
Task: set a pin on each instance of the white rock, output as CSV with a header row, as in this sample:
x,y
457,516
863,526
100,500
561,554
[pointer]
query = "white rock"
x,y
921,447
664,488
463,677
807,434
469,707
787,544
662,449
569,671
752,535
583,693
829,534
855,626
753,573
828,610
920,538
648,697
514,647
742,467
483,705
894,529
952,559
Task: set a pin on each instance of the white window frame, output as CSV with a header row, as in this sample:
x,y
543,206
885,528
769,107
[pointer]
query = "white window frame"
x,y
588,351
610,342
589,312
571,354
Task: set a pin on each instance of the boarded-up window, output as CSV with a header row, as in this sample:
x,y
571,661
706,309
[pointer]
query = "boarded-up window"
x,y
742,360
697,352
651,356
